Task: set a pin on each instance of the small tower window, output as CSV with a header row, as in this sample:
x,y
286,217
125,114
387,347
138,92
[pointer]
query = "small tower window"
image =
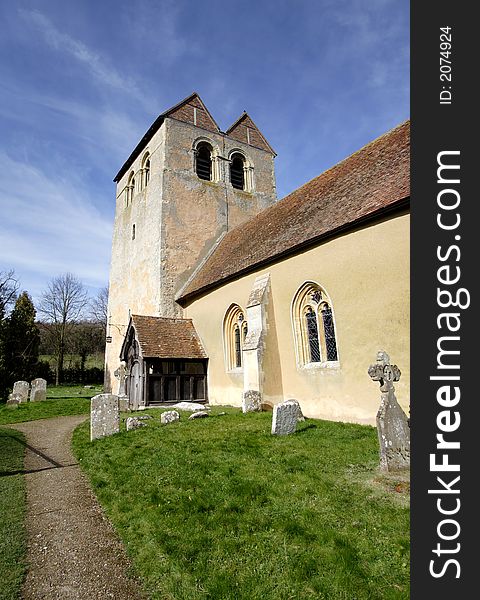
x,y
133,231
237,172
130,188
203,163
147,172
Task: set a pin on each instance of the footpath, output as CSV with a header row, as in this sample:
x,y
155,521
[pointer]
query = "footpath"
x,y
73,551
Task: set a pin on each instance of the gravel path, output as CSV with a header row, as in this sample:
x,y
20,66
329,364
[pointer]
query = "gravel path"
x,y
73,551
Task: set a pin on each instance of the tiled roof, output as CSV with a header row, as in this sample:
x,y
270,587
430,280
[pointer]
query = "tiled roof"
x,y
374,180
160,337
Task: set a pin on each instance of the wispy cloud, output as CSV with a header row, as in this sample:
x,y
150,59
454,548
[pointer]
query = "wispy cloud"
x,y
104,73
51,225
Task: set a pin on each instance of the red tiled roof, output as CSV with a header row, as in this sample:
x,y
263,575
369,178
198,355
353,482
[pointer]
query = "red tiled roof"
x,y
368,183
161,337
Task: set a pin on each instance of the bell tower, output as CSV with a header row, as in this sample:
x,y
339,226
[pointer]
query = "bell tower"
x,y
185,184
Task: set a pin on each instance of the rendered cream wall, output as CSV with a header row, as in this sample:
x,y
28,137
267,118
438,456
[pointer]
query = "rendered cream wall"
x,y
366,274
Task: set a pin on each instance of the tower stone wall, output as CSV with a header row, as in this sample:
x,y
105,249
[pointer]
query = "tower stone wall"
x,y
165,227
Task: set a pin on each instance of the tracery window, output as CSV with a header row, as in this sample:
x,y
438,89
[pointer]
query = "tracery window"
x,y
313,326
235,330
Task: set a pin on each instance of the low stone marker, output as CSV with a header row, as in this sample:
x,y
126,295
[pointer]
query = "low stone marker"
x,y
104,416
392,423
134,423
252,401
190,406
198,414
19,393
170,416
38,391
285,417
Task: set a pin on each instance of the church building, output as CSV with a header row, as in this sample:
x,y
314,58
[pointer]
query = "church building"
x,y
221,293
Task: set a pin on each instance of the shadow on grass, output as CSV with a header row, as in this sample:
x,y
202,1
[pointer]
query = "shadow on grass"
x,y
54,464
306,428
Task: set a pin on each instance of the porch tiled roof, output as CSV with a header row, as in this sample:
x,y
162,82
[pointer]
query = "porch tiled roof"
x,y
161,337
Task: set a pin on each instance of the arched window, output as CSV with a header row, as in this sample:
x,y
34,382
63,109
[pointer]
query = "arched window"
x,y
234,333
145,170
130,190
313,326
203,161
237,171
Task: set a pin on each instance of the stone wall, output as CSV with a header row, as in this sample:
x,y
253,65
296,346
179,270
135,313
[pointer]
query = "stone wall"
x,y
178,219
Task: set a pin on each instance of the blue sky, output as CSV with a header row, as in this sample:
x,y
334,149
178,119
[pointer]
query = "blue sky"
x,y
81,82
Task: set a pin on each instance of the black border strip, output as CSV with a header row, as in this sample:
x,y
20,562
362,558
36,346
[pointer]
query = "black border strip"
x,y
443,120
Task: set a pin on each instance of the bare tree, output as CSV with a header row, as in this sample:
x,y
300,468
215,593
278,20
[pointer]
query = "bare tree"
x,y
62,304
99,307
8,290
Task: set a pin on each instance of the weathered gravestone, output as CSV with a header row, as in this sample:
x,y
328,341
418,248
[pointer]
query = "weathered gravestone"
x,y
198,414
392,423
134,423
19,393
285,417
190,406
252,401
38,391
170,416
104,416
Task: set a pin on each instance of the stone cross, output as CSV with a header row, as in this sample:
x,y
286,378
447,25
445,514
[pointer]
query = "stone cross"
x,y
392,423
104,416
38,391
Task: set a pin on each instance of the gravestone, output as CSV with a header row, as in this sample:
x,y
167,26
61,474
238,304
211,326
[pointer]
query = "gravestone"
x,y
170,416
19,393
38,391
104,416
198,414
134,423
392,423
190,406
252,401
285,417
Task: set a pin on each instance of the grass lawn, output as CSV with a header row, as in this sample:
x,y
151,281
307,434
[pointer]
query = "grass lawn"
x,y
96,360
12,513
61,401
218,508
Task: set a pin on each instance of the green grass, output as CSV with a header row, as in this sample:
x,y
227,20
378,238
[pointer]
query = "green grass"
x,y
61,401
96,360
12,514
219,509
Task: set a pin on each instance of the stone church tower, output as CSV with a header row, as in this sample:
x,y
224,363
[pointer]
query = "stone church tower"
x,y
184,186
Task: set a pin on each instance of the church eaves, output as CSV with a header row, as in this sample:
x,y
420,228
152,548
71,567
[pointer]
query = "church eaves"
x,y
370,183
